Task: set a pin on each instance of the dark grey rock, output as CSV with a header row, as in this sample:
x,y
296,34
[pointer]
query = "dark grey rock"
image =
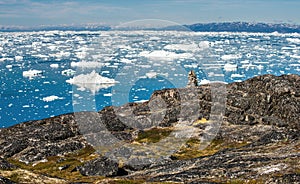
x,y
263,113
5,165
4,180
99,167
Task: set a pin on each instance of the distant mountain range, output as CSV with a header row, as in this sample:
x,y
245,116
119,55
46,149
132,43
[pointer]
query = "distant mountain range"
x,y
199,27
244,27
92,27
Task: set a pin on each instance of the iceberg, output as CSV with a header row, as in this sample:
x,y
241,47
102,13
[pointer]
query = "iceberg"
x,y
293,40
52,98
231,56
32,73
92,81
54,65
18,58
163,55
68,72
86,64
230,67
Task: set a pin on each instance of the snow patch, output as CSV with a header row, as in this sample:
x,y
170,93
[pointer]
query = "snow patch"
x,y
204,81
271,168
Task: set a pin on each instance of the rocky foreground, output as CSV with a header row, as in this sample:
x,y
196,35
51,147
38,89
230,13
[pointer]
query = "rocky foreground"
x,y
257,139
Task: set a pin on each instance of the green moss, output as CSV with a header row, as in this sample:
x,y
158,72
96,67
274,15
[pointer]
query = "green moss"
x,y
244,181
117,181
15,177
153,135
191,148
51,167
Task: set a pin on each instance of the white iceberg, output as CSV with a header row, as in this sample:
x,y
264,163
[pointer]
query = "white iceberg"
x,y
231,56
236,75
68,72
52,98
18,58
92,81
163,55
54,65
293,40
230,67
151,75
183,47
32,73
87,64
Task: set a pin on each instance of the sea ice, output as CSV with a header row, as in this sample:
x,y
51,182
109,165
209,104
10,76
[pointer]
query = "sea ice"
x,y
92,81
52,98
162,55
204,45
151,75
87,64
107,94
68,72
230,67
231,56
236,75
32,73
293,40
183,47
54,65
18,58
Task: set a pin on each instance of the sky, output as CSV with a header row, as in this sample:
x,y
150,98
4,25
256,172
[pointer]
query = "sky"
x,y
113,12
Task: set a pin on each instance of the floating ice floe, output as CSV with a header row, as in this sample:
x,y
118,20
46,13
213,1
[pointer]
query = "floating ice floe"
x,y
87,64
68,72
293,40
231,57
107,94
163,55
230,67
204,45
183,47
52,98
236,75
54,65
151,75
18,58
92,81
32,73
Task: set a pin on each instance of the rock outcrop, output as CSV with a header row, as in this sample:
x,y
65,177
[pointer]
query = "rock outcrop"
x,y
257,138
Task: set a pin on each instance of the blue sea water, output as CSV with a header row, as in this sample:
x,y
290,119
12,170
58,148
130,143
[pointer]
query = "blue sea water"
x,y
115,67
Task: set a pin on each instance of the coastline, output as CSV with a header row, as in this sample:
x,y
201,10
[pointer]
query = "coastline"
x,y
258,140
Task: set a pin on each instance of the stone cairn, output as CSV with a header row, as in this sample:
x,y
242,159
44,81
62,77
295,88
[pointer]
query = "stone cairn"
x,y
192,79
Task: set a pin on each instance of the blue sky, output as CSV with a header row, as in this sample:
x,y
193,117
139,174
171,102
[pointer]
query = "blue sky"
x,y
113,12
